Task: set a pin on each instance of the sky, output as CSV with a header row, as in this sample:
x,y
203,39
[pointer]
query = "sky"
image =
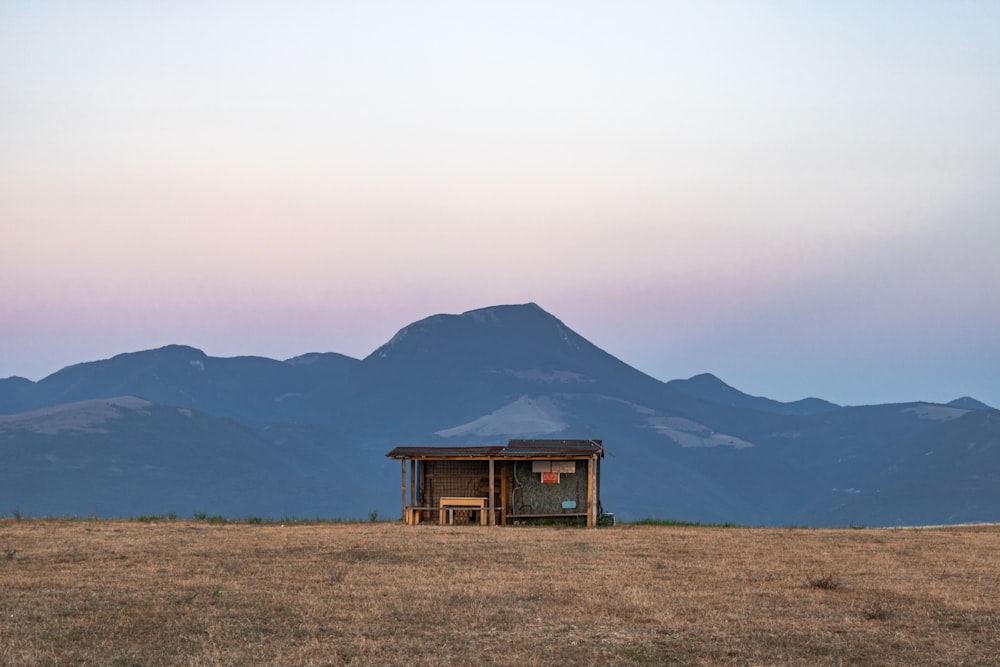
x,y
802,198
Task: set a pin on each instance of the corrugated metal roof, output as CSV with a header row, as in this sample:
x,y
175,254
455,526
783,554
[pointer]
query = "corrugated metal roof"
x,y
514,449
421,452
554,447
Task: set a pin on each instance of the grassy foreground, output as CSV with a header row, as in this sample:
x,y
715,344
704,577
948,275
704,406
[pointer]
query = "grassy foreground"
x,y
180,593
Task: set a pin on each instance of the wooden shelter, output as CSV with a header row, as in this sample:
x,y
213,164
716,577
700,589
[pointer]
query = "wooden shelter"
x,y
524,481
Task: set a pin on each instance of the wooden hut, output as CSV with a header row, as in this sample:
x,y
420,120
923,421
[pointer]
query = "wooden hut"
x,y
527,480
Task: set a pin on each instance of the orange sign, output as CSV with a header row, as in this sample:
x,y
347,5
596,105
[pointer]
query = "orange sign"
x,y
550,478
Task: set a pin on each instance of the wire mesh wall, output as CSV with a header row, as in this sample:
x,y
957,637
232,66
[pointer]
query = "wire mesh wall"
x,y
462,479
530,496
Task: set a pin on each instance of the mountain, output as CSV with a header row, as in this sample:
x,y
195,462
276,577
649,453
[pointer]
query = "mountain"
x,y
175,430
447,370
127,456
252,390
15,393
948,472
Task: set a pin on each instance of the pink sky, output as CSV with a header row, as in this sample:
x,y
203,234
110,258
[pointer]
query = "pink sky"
x,y
800,198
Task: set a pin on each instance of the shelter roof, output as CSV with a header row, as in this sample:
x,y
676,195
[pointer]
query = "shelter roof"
x,y
514,449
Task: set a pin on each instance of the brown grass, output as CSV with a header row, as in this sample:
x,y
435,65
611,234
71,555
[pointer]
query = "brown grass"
x,y
181,593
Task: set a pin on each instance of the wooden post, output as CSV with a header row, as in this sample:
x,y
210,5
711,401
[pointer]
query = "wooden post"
x,y
413,482
402,466
597,490
493,518
504,500
591,505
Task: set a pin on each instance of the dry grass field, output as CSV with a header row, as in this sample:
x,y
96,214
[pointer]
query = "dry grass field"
x,y
184,593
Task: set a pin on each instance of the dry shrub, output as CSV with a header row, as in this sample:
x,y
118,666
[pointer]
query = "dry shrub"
x,y
827,582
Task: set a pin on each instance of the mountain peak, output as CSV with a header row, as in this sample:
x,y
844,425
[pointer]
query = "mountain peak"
x,y
168,351
491,312
479,329
708,380
969,403
708,386
318,358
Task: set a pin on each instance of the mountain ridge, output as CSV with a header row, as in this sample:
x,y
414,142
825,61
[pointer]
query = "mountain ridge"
x,y
313,430
710,387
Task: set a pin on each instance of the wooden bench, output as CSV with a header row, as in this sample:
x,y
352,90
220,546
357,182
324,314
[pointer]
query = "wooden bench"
x,y
449,505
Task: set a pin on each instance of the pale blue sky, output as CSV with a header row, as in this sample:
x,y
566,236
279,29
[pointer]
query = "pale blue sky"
x,y
800,197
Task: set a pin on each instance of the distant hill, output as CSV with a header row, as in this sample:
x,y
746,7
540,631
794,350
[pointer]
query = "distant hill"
x,y
175,430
